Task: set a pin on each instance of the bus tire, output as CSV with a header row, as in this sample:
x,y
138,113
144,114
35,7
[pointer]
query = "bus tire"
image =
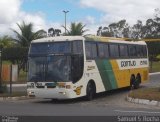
x,y
137,81
132,81
90,91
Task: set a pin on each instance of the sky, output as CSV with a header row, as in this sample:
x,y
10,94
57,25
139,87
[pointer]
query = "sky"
x,y
45,14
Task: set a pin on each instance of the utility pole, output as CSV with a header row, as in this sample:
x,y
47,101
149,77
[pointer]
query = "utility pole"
x,y
65,13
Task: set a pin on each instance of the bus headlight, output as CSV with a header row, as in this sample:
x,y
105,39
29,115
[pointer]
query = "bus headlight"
x,y
29,86
64,93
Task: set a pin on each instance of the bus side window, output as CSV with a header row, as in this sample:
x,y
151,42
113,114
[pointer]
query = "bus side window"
x,y
103,50
123,51
139,49
77,47
132,51
144,51
114,51
91,50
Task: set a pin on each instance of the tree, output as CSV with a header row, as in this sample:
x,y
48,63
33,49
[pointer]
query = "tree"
x,y
99,31
51,32
6,42
116,29
76,29
57,32
17,55
151,30
23,39
26,34
54,32
137,30
106,32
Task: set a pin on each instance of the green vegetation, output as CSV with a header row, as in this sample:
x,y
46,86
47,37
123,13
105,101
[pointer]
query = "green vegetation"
x,y
147,93
3,88
22,78
26,34
15,50
155,67
76,29
6,42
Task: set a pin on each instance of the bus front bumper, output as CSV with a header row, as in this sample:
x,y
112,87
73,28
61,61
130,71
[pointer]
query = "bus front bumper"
x,y
51,93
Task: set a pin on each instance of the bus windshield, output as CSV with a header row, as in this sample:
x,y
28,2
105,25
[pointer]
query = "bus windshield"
x,y
47,48
51,68
56,61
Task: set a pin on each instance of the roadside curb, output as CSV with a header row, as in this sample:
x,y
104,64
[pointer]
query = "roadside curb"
x,y
154,73
15,98
143,101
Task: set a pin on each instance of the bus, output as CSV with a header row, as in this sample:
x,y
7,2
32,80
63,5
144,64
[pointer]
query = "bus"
x,y
67,67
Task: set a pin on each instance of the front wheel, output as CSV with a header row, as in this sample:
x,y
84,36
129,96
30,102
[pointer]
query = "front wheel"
x,y
90,91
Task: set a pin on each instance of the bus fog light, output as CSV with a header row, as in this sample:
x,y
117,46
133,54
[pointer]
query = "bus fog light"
x,y
64,93
30,93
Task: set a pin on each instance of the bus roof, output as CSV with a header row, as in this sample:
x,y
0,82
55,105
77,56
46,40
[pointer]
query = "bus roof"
x,y
58,38
151,40
114,40
90,38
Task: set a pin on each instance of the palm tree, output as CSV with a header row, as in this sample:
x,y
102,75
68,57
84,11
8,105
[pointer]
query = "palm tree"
x,y
6,42
26,34
76,29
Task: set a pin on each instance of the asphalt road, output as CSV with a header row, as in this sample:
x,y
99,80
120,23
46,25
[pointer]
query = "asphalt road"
x,y
111,103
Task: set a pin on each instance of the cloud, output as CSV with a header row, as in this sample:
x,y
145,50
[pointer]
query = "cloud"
x,y
11,14
89,20
37,19
115,10
9,10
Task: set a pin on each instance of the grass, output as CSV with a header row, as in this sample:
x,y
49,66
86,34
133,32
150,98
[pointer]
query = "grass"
x,y
146,93
155,67
14,94
22,78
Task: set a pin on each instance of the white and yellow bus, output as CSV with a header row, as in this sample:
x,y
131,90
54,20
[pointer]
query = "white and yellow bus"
x,y
74,66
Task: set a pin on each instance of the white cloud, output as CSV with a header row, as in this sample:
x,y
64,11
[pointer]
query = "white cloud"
x,y
89,20
9,10
11,13
115,10
37,19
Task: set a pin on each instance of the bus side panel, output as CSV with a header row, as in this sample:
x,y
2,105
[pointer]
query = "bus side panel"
x,y
122,76
107,74
92,73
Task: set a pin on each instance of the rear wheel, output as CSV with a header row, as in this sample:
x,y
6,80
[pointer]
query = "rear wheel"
x,y
91,90
137,82
132,81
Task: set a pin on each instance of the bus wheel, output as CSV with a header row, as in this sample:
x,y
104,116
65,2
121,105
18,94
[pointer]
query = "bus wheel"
x,y
137,81
91,90
132,82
